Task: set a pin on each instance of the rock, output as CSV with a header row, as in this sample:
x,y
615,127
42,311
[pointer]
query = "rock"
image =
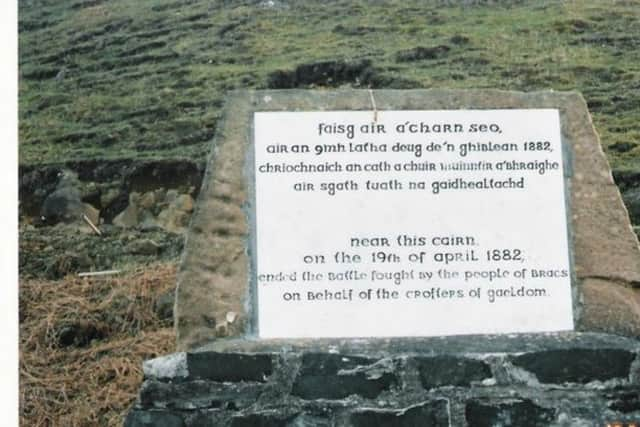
x,y
128,218
148,200
171,196
516,412
64,203
115,207
184,203
146,217
143,247
109,196
335,376
134,198
430,413
264,419
149,224
577,365
173,221
199,395
91,194
439,371
175,218
153,419
230,367
92,213
163,307
160,194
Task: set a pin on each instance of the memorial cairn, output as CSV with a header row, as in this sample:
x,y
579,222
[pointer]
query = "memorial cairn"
x,y
403,258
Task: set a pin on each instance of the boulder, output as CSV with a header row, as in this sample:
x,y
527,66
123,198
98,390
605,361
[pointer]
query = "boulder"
x,y
64,203
175,218
128,218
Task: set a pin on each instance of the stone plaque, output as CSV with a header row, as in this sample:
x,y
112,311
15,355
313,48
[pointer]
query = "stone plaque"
x,y
410,223
393,213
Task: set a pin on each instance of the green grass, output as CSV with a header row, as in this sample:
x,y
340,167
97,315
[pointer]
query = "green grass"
x,y
148,79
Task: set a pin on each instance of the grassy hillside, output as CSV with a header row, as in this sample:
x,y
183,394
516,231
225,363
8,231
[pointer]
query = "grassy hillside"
x,y
113,79
127,94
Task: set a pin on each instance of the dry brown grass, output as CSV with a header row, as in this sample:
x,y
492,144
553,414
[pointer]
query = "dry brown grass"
x,y
94,380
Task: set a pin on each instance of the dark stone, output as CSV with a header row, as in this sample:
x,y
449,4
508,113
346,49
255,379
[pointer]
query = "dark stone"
x,y
198,395
335,376
163,306
36,183
428,414
229,366
153,419
114,207
448,370
576,365
421,53
92,197
63,204
309,420
624,402
207,418
521,413
263,419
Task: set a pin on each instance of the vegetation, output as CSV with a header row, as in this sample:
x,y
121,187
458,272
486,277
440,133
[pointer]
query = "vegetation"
x,y
82,344
136,88
121,79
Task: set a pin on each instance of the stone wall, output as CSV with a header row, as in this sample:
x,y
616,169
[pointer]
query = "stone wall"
x,y
521,380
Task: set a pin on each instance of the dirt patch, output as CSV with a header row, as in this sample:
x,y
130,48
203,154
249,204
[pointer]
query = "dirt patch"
x,y
166,174
359,73
327,73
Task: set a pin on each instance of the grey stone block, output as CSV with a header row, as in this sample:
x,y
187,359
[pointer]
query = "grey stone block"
x,y
428,414
153,419
449,370
577,365
522,413
229,366
335,376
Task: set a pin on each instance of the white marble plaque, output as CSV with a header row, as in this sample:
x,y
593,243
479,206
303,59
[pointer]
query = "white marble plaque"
x,y
410,223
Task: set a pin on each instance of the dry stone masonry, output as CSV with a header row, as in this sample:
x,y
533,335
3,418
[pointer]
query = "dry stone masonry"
x,y
564,379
